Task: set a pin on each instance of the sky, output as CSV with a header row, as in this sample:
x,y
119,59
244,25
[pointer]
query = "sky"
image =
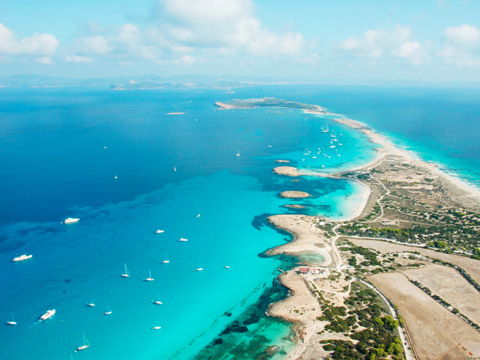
x,y
317,40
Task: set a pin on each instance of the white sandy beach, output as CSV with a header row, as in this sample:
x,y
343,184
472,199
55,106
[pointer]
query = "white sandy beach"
x,y
309,238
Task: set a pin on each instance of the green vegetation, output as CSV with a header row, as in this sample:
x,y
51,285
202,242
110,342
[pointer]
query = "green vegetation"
x,y
363,318
417,212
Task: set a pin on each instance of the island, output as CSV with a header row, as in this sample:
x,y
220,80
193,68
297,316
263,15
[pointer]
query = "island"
x,y
270,102
399,280
293,194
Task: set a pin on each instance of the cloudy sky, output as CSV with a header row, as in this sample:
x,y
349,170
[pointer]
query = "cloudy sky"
x,y
433,40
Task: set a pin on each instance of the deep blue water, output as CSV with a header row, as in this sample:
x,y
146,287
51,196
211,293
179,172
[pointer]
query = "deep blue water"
x,y
440,124
108,157
54,165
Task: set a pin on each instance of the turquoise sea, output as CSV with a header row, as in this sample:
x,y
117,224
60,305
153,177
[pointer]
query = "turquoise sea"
x,y
115,160
125,168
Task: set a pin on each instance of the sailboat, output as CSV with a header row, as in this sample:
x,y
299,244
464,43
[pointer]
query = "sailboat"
x,y
325,129
85,345
90,304
149,278
108,312
125,273
166,260
11,322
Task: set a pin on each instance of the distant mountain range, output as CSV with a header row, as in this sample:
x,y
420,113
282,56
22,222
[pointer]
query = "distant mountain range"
x,y
150,82
145,82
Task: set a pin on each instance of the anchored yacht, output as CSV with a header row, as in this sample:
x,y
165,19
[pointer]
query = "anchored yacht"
x,y
125,273
149,278
71,220
48,315
22,257
85,345
11,322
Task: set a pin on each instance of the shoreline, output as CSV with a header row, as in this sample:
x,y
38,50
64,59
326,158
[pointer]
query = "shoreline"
x,y
311,235
305,239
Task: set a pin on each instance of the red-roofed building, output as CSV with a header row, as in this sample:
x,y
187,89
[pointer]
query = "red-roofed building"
x,y
303,270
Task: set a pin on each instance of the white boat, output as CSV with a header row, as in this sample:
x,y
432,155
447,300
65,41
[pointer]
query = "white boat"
x,y
197,216
156,327
125,273
22,257
199,269
183,239
71,220
11,322
91,304
227,267
115,177
157,302
166,261
237,154
108,312
174,169
325,130
85,345
48,314
149,278
159,231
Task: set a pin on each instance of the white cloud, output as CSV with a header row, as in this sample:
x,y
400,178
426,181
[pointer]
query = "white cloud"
x,y
412,51
207,12
94,44
77,59
36,44
45,60
464,35
227,26
252,38
185,60
190,31
381,43
462,46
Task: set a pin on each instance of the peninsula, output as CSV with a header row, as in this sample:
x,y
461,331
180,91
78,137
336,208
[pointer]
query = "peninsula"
x,y
398,281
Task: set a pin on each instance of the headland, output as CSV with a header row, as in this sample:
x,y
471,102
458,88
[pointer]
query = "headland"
x,y
372,283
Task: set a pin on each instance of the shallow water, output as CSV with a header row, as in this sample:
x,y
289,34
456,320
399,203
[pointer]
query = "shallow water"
x,y
108,158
